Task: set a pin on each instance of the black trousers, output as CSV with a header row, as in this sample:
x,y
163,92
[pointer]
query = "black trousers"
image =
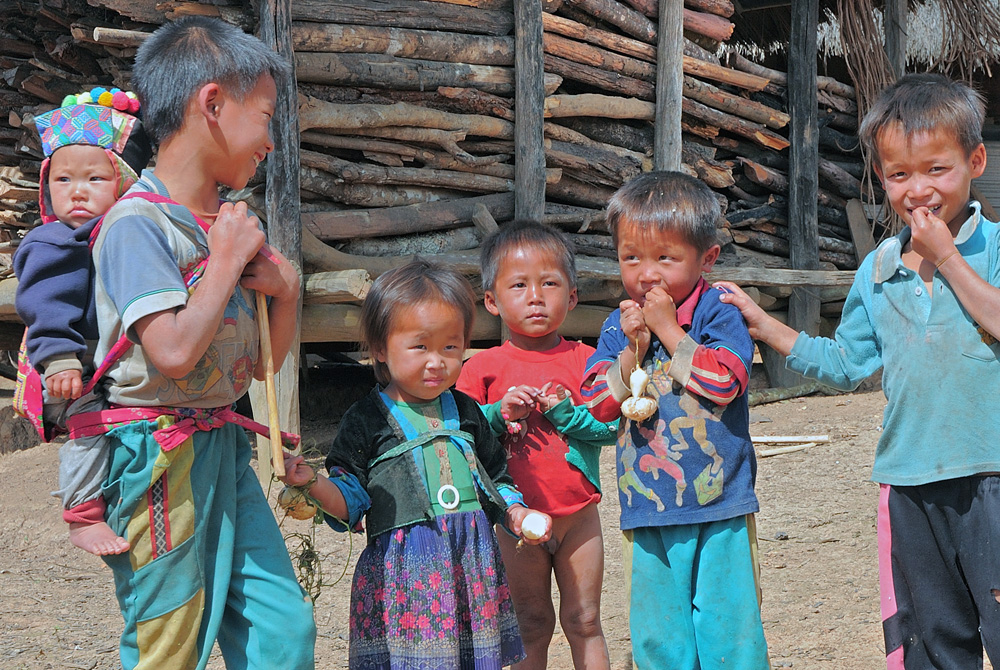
x,y
939,573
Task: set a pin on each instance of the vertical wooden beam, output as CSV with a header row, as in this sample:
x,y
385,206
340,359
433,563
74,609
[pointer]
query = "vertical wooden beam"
x,y
669,86
284,225
894,25
803,227
529,103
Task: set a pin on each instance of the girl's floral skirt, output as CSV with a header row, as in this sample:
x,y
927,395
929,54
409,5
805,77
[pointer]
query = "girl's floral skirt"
x,y
434,596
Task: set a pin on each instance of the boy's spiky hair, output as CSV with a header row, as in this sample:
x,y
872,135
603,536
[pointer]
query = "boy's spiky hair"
x,y
924,102
527,234
667,202
182,56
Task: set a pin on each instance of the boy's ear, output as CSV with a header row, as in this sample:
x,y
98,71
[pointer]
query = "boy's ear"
x,y
709,258
574,298
977,161
490,300
209,99
378,355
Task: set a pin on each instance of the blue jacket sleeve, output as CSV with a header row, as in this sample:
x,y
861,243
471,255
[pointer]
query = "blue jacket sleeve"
x,y
54,275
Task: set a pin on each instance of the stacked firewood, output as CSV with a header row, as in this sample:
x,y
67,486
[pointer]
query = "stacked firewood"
x,y
422,98
407,122
52,48
407,118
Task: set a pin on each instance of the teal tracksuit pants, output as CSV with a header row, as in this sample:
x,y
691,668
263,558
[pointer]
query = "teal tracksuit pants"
x,y
207,561
694,598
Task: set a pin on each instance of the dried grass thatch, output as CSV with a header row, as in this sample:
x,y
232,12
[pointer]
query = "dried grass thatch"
x,y
955,37
861,45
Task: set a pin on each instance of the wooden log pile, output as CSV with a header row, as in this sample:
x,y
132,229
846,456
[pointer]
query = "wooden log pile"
x,y
407,126
53,48
407,117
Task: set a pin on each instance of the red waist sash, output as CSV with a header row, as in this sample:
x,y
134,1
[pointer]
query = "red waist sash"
x,y
189,421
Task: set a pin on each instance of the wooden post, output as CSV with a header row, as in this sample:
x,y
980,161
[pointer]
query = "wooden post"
x,y
529,144
803,186
669,86
894,22
284,227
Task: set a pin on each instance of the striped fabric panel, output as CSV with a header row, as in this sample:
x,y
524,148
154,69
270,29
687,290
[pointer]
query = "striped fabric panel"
x,y
159,520
596,394
718,375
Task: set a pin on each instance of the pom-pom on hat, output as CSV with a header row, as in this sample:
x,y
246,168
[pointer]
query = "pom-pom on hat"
x,y
106,118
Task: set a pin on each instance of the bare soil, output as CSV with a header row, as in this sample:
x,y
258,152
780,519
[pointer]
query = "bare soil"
x,y
816,530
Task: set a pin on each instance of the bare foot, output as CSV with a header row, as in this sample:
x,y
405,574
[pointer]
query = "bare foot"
x,y
97,538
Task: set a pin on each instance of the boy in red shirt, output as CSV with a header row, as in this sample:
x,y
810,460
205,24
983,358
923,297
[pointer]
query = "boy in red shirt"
x,y
528,388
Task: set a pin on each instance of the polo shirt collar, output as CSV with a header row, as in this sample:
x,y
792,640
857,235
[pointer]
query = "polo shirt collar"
x,y
685,310
889,255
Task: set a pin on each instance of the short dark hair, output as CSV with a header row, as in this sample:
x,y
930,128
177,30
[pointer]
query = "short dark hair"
x,y
183,55
667,202
524,233
923,102
406,286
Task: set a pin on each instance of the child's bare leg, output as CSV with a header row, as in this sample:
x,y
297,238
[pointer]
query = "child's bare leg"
x,y
97,538
579,568
529,573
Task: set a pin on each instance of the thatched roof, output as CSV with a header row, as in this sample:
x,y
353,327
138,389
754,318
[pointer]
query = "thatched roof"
x,y
958,37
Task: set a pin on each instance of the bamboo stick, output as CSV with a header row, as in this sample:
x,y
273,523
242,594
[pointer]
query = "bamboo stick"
x,y
785,450
275,451
788,439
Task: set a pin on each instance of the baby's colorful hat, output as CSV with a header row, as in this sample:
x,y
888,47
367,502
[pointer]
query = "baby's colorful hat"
x,y
100,117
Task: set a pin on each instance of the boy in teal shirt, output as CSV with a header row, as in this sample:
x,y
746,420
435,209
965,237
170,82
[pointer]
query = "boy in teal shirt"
x,y
924,307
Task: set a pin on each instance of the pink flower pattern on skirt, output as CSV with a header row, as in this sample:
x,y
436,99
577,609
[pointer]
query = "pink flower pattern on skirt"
x,y
433,596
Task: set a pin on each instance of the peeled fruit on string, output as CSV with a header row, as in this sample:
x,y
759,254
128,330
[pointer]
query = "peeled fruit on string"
x,y
296,503
533,526
639,407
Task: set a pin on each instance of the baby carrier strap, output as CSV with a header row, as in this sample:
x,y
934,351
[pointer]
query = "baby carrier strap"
x,y
119,348
148,196
188,422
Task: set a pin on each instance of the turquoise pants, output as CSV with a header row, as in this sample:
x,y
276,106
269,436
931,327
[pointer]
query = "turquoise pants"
x,y
693,602
207,561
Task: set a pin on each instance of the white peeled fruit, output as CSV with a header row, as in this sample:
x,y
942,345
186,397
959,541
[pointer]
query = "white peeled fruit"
x,y
296,504
533,526
639,407
637,382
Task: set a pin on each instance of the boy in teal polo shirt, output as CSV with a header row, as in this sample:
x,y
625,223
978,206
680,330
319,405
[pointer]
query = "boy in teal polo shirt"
x,y
924,307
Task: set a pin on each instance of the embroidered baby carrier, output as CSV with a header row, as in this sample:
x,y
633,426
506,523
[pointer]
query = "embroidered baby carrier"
x,y
28,389
28,400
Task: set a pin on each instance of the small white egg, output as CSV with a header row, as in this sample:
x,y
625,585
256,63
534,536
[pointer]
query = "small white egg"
x,y
533,526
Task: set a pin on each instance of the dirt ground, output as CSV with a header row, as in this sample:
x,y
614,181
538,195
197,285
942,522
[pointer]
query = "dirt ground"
x,y
816,529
